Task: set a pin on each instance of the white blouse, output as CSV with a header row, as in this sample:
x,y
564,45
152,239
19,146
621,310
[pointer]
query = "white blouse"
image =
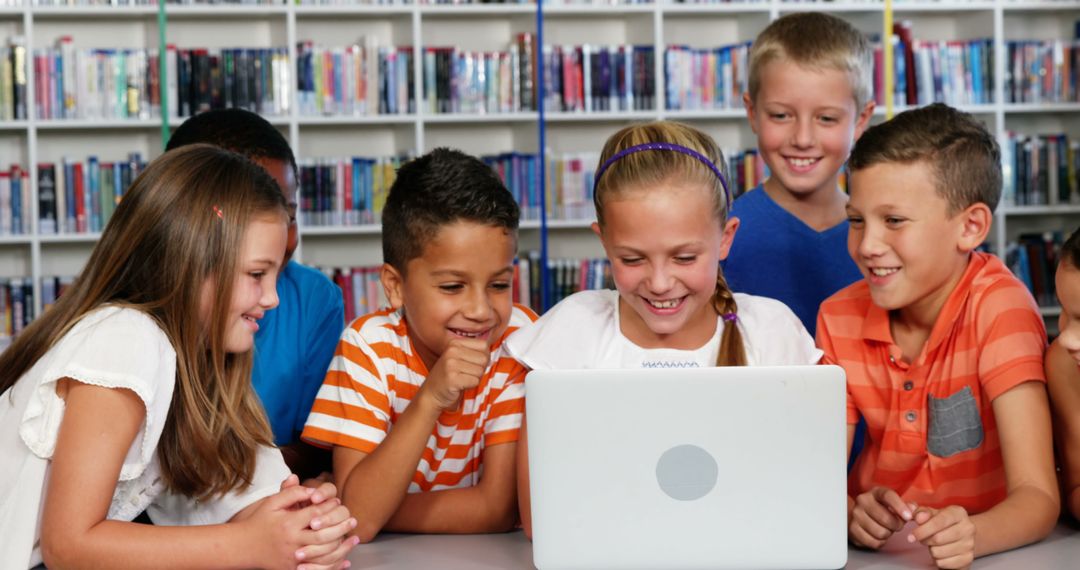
x,y
112,347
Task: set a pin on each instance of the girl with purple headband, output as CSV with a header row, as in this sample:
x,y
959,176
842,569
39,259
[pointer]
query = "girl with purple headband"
x,y
662,204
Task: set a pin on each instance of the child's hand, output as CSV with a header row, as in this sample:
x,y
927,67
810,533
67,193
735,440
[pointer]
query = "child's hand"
x,y
279,532
457,370
878,513
949,533
331,523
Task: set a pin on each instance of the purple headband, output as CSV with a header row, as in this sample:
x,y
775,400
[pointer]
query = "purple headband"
x,y
666,146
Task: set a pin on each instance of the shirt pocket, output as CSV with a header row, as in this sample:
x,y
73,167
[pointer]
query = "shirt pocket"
x,y
955,425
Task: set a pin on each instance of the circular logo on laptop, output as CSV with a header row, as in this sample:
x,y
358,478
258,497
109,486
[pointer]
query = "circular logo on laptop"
x,y
686,472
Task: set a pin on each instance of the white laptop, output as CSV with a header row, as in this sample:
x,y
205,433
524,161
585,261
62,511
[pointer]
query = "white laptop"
x,y
735,467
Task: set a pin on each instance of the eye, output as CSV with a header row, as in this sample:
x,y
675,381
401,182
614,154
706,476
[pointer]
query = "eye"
x,y
855,221
893,220
828,119
257,275
631,260
686,259
500,285
778,116
451,287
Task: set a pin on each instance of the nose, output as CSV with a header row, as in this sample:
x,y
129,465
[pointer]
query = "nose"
x,y
269,298
477,306
660,279
803,136
868,243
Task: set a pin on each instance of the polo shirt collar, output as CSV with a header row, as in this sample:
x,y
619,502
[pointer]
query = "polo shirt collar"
x,y
876,324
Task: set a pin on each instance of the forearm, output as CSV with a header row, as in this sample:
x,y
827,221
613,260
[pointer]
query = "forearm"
x,y
1027,515
376,486
454,511
120,545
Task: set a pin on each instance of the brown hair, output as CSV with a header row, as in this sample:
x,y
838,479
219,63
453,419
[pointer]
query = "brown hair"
x,y
814,40
180,225
652,168
962,154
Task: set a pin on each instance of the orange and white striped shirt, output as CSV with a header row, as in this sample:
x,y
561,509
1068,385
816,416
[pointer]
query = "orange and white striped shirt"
x,y
376,373
931,431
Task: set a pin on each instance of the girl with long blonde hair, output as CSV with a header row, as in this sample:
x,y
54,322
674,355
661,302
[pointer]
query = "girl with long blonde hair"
x,y
662,201
133,392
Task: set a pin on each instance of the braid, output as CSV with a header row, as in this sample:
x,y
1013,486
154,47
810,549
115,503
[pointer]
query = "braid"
x,y
732,352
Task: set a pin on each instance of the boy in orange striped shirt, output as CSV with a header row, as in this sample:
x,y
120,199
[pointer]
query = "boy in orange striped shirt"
x,y
942,347
419,405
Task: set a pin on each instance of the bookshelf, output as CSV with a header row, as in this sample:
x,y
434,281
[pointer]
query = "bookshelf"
x,y
487,27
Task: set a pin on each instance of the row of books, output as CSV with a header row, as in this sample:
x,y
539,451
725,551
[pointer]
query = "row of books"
x,y
352,191
1033,258
360,79
79,197
590,78
74,83
1040,170
346,191
564,278
710,78
956,72
13,79
462,81
1042,71
360,289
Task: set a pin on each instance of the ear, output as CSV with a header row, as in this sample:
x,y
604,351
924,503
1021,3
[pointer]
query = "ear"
x,y
748,104
863,120
728,236
975,222
595,227
393,283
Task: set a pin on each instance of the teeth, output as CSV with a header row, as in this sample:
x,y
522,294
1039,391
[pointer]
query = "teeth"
x,y
802,161
665,304
467,334
883,272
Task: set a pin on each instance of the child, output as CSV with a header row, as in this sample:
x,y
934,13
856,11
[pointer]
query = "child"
x,y
661,205
421,411
942,347
132,392
295,341
1063,371
810,96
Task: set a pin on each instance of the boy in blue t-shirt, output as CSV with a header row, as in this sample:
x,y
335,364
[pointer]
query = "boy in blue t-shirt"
x,y
296,341
810,96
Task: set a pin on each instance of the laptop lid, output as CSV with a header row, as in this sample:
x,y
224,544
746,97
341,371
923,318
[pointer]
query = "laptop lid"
x,y
734,467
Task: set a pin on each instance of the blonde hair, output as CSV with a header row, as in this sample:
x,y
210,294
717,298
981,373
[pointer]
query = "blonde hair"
x,y
650,169
180,225
815,41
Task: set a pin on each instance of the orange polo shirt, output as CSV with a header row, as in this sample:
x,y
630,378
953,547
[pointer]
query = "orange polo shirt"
x,y
931,432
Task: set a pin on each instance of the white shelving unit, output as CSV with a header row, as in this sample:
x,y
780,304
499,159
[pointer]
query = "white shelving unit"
x,y
489,27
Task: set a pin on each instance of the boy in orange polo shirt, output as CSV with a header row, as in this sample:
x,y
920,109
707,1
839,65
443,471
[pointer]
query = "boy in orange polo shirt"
x,y
942,347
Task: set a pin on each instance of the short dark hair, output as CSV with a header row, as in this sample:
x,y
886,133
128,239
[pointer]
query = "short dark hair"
x,y
1070,250
437,189
240,131
962,154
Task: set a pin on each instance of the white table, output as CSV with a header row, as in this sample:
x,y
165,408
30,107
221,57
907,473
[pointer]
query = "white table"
x,y
1060,551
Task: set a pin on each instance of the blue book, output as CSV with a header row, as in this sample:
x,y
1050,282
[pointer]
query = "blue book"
x,y
16,201
93,192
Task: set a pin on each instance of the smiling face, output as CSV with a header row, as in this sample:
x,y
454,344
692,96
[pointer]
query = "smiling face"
x,y
911,251
255,287
665,245
1067,283
459,288
806,121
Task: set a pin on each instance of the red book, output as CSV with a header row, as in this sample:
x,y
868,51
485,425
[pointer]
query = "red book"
x,y
80,199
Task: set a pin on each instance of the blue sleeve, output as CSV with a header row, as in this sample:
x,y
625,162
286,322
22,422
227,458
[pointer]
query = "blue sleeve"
x,y
322,340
